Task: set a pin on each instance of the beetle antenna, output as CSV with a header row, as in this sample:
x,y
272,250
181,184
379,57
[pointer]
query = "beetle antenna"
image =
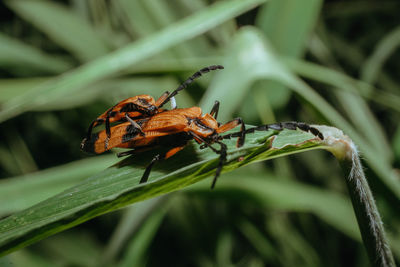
x,y
89,132
291,125
190,80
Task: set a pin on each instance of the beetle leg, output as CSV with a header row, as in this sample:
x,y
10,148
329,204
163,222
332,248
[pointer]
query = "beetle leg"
x,y
190,80
206,144
163,97
291,125
146,173
108,130
222,158
222,161
159,157
134,151
232,124
135,125
126,153
215,109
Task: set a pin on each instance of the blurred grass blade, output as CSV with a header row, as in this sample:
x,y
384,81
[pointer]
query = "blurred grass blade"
x,y
24,257
342,81
15,54
290,241
358,111
63,26
135,254
121,87
11,88
277,193
21,192
20,151
118,186
224,248
288,24
133,218
135,17
121,59
261,244
385,48
242,67
256,60
64,248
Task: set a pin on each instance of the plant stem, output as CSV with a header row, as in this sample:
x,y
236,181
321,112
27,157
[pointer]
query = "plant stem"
x,y
368,218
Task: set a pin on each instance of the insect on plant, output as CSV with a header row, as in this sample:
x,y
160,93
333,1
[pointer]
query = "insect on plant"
x,y
173,129
142,106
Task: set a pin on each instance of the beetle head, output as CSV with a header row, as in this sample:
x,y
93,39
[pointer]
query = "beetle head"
x,y
204,126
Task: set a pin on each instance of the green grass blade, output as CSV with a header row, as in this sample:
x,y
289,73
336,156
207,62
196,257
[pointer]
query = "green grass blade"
x,y
261,244
135,254
135,17
14,54
130,223
63,26
288,24
256,60
63,249
374,64
23,191
118,186
123,58
358,111
351,90
11,88
121,87
25,258
342,81
277,193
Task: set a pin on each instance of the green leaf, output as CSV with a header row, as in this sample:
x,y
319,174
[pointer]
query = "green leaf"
x,y
118,186
122,59
288,25
268,191
350,96
385,48
62,26
356,109
121,88
23,191
11,88
15,54
343,82
131,221
135,253
255,60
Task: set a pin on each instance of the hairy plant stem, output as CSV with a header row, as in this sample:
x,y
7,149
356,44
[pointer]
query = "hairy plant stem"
x,y
368,218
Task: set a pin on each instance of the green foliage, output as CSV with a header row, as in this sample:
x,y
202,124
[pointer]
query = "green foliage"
x,y
61,65
118,186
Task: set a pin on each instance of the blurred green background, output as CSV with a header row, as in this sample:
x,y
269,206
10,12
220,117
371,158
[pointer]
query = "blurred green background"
x,y
62,63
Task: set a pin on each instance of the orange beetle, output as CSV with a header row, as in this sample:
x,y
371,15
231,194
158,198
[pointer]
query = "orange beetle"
x,y
142,105
173,129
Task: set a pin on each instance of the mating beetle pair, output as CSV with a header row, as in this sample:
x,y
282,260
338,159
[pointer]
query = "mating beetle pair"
x,y
146,125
